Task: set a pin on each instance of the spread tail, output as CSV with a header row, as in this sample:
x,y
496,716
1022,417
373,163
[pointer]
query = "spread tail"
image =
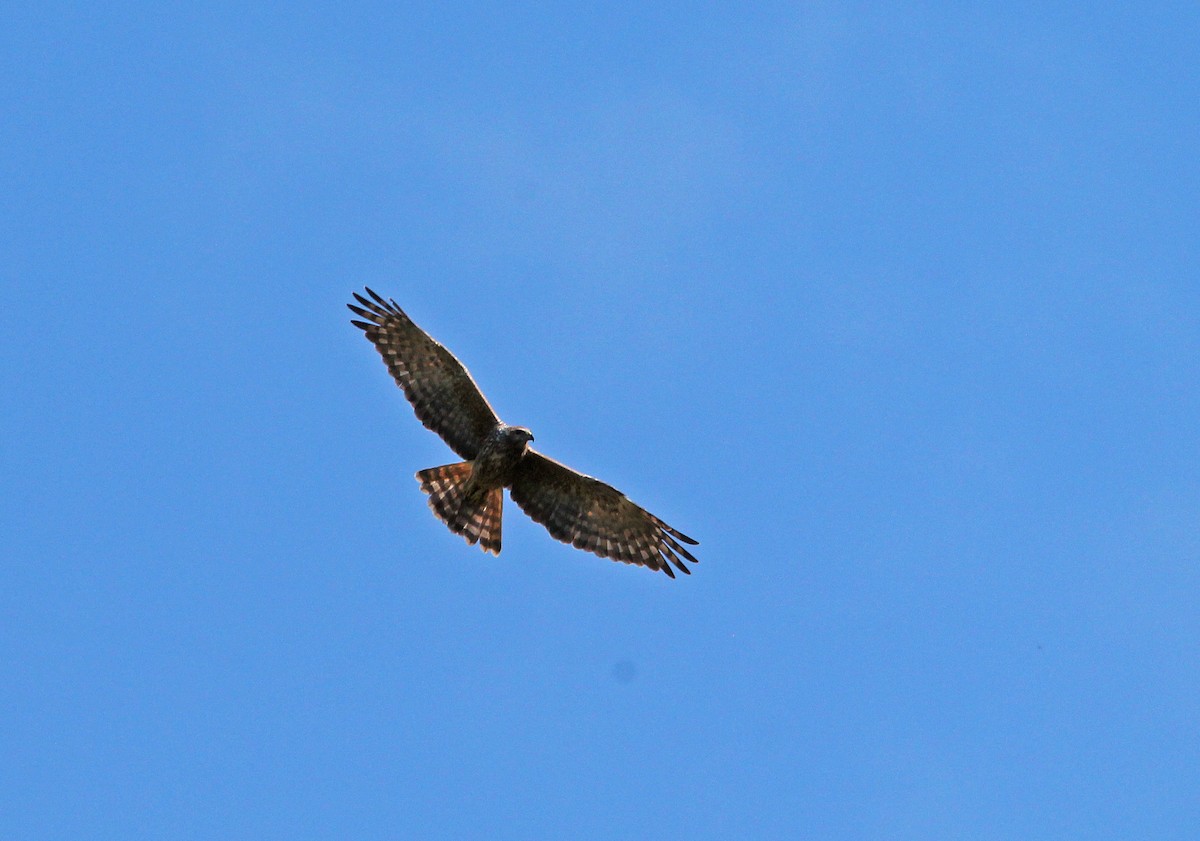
x,y
474,514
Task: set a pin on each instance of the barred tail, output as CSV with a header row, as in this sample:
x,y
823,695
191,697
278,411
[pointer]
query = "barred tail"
x,y
474,514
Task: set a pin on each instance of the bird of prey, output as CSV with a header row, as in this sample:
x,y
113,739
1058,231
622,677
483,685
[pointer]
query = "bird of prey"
x,y
468,496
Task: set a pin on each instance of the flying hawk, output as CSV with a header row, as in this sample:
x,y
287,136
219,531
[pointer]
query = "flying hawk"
x,y
468,496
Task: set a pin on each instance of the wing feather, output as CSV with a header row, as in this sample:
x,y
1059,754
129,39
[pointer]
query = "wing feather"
x,y
592,515
439,387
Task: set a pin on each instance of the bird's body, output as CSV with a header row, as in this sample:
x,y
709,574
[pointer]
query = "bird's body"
x,y
499,456
468,496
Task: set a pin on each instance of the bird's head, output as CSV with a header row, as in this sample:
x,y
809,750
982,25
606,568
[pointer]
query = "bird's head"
x,y
519,437
513,440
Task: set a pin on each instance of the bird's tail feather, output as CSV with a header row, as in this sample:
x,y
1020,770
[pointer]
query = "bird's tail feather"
x,y
474,514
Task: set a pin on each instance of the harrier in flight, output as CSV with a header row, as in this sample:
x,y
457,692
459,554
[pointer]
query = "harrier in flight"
x,y
468,496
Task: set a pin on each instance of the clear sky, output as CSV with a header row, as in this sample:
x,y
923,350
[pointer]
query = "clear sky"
x,y
896,310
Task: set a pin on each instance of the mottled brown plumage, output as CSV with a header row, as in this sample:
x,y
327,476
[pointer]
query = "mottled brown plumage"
x,y
468,496
441,391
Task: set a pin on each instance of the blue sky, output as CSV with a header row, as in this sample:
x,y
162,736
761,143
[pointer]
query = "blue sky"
x,y
895,309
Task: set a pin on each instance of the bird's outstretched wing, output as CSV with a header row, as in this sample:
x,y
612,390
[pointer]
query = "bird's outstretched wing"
x,y
439,387
591,515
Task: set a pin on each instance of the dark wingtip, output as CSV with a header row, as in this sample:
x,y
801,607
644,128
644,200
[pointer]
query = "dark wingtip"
x,y
682,536
668,552
673,532
379,306
675,547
